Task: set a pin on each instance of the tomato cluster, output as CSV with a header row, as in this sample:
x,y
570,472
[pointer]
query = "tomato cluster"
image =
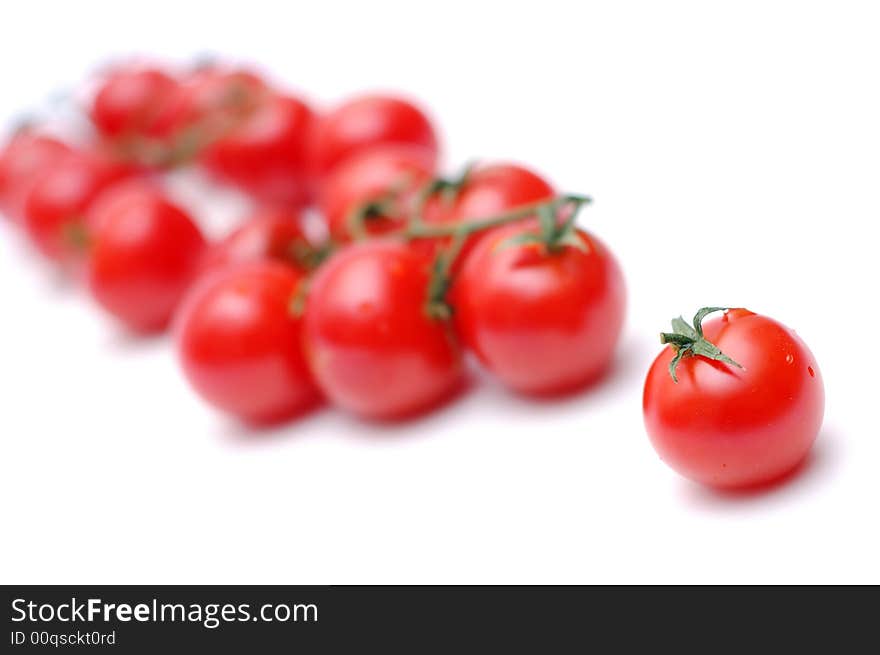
x,y
409,271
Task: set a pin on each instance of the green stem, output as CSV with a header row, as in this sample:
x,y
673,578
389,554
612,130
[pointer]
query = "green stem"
x,y
688,340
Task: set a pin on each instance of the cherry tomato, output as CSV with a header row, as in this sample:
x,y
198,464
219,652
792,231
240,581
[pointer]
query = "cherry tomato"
x,y
240,344
144,252
266,154
270,233
542,321
742,420
487,191
209,99
386,175
130,100
367,121
57,202
371,345
22,161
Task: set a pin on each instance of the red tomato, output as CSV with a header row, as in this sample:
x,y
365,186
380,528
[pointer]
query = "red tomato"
x,y
22,161
392,174
266,153
493,189
487,191
240,345
725,426
130,100
211,98
543,322
371,345
270,233
57,202
367,121
144,254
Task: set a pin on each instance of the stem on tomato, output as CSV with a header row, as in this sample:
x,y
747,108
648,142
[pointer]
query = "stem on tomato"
x,y
688,340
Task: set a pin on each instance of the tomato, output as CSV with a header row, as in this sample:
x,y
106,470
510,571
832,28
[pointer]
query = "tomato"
x,y
144,252
22,161
58,200
367,121
266,154
240,345
742,420
487,191
543,321
270,233
390,175
493,189
129,100
371,345
210,98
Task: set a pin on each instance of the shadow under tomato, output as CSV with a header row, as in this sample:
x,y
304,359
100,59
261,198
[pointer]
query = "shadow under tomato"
x,y
409,426
243,433
816,467
630,361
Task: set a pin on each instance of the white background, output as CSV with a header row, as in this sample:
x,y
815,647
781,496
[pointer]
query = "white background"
x,y
733,150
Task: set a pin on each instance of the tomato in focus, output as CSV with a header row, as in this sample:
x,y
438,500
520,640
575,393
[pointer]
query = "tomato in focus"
x,y
542,322
725,426
240,344
370,342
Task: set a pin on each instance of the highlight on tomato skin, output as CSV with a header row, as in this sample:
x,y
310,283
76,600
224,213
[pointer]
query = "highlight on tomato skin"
x,y
730,427
542,322
239,344
370,343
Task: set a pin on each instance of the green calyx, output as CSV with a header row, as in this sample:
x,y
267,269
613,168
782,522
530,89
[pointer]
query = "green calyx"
x,y
553,234
688,340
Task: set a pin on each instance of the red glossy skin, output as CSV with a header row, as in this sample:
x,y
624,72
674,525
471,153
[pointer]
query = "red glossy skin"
x,y
144,254
22,161
397,170
543,323
368,121
489,191
266,154
240,345
130,100
727,427
58,201
372,348
269,234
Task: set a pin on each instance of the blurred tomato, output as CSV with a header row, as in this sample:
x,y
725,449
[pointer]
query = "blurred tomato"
x,y
266,153
57,202
270,233
130,99
144,252
367,121
26,156
240,345
388,176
